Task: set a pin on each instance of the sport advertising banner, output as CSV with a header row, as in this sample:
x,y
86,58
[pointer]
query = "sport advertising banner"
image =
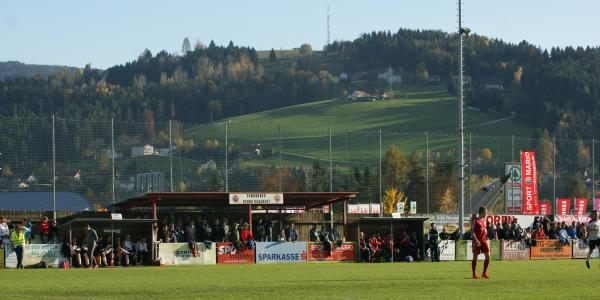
x,y
512,195
551,249
581,249
181,254
529,190
580,206
33,254
514,250
447,250
347,252
523,220
227,254
597,204
280,252
461,250
494,250
571,218
545,207
255,198
563,206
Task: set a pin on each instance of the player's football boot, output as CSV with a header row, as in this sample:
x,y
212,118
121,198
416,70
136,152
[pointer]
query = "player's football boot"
x,y
485,275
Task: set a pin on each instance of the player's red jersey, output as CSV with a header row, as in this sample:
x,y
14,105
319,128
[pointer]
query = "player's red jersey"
x,y
480,231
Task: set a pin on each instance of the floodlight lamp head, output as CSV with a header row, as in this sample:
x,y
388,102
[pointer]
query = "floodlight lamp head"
x,y
464,31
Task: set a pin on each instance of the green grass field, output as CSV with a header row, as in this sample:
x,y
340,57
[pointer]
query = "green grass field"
x,y
559,279
355,125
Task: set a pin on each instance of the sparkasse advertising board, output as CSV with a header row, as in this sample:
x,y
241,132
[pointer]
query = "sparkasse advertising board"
x,y
280,252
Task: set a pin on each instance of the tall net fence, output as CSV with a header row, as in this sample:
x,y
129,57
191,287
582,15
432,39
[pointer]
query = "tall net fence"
x,y
109,161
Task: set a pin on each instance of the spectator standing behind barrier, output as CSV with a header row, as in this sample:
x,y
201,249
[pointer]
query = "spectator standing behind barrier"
x,y
27,227
259,230
4,230
444,236
45,230
218,233
247,237
491,233
281,236
433,243
54,234
314,234
291,234
91,238
17,238
234,236
190,236
225,230
268,234
326,240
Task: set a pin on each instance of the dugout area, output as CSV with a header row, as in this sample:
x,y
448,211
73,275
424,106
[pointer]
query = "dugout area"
x,y
394,226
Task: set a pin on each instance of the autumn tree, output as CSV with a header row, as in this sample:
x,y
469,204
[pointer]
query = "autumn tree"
x,y
391,198
394,168
448,202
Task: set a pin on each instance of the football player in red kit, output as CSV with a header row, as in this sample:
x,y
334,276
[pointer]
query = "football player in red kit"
x,y
480,244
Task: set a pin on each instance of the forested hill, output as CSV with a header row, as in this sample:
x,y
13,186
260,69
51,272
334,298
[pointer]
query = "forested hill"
x,y
555,89
558,89
9,69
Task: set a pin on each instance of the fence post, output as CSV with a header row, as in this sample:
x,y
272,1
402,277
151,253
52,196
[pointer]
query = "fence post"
x,y
53,170
280,185
226,156
554,174
330,178
512,161
427,169
112,153
593,171
471,174
380,174
171,152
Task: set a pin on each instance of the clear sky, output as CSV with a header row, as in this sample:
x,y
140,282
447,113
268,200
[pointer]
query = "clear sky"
x,y
109,32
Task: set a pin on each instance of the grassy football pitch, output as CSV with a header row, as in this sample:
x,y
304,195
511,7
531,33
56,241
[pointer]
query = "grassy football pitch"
x,y
446,280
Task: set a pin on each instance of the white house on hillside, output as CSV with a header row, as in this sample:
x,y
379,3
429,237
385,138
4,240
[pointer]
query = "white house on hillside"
x,y
360,95
389,76
142,150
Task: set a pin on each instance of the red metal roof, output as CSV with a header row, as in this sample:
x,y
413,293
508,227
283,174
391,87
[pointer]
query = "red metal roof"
x,y
221,199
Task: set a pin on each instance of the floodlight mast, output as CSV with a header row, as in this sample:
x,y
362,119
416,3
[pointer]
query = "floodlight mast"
x,y
461,133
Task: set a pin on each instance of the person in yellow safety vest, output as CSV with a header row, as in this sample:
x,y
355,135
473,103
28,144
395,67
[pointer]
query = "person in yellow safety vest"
x,y
17,237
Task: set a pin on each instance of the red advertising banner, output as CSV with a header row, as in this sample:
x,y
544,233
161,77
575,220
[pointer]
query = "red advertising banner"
x,y
227,254
529,189
545,207
347,252
580,206
563,206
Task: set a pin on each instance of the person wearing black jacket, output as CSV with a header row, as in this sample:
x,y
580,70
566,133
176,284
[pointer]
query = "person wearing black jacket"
x,y
218,233
433,243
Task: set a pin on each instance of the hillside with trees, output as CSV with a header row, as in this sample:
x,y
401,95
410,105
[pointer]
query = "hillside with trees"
x,y
11,69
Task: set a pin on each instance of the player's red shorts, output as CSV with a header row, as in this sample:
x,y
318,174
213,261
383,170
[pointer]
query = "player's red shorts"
x,y
484,247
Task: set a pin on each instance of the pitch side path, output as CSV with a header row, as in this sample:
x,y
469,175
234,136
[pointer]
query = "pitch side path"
x,y
558,279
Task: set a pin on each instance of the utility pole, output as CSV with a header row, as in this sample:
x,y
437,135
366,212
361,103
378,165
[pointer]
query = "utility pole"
x,y
328,32
53,171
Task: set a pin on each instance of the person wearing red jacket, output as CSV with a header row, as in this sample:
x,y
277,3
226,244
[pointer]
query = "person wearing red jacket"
x,y
45,230
247,237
